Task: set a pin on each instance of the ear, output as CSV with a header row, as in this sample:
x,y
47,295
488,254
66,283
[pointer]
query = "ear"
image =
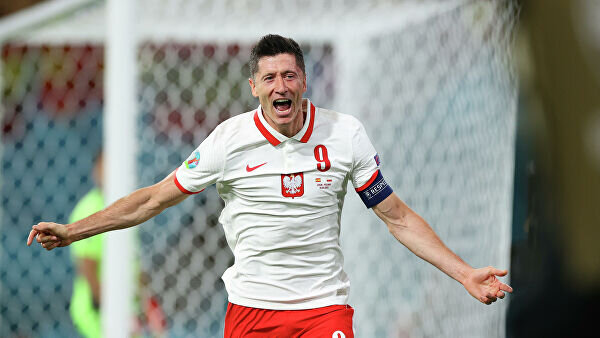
x,y
252,87
304,84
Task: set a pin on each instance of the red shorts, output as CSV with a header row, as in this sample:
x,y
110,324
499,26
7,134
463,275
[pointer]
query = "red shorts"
x,y
333,321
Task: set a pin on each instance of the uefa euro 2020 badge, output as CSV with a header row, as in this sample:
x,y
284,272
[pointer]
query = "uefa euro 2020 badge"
x,y
193,162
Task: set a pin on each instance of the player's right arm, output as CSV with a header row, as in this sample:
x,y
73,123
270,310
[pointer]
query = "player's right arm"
x,y
131,210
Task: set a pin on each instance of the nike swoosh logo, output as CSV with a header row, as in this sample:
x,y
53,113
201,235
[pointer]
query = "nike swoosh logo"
x,y
249,169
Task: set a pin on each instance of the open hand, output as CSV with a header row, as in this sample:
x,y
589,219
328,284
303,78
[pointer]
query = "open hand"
x,y
483,285
49,235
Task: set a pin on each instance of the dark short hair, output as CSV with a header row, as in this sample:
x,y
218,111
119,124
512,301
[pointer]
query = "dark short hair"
x,y
271,45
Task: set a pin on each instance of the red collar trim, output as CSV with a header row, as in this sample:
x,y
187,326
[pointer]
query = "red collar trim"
x,y
274,141
311,123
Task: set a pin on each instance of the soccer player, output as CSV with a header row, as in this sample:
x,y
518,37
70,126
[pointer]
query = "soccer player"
x,y
282,170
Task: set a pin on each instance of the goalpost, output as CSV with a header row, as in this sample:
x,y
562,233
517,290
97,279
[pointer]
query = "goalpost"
x,y
432,82
120,146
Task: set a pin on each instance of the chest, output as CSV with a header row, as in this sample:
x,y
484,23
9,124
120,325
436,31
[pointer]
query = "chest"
x,y
291,170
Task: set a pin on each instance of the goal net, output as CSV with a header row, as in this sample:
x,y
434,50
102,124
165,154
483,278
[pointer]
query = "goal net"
x,y
432,82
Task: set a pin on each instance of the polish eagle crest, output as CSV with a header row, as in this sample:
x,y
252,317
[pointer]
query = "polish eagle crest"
x,y
292,184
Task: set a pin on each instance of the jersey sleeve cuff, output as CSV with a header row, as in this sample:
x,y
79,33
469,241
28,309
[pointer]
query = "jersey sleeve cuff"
x,y
181,188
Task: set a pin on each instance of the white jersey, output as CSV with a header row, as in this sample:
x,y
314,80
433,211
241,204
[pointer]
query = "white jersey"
x,y
283,202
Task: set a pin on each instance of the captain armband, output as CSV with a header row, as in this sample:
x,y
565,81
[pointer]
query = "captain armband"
x,y
375,190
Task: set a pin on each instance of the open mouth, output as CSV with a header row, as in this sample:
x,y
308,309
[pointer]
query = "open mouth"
x,y
282,104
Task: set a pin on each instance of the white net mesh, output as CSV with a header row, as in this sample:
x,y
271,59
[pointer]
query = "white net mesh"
x,y
432,83
441,114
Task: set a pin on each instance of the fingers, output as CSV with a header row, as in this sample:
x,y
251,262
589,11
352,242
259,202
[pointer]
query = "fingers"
x,y
48,242
496,294
43,238
36,230
50,245
505,287
492,297
32,235
44,227
488,299
43,234
497,272
485,287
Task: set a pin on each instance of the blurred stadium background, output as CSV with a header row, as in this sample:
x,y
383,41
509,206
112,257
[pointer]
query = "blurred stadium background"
x,y
480,156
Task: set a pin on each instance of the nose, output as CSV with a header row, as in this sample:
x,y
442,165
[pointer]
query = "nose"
x,y
280,86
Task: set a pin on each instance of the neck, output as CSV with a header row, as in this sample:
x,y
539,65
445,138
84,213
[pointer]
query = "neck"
x,y
293,127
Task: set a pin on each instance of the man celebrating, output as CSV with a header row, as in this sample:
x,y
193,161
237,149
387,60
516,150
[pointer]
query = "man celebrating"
x,y
282,171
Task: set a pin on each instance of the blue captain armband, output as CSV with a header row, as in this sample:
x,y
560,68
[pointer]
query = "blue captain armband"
x,y
374,191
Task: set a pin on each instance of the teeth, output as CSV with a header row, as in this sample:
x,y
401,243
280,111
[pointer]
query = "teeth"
x,y
281,101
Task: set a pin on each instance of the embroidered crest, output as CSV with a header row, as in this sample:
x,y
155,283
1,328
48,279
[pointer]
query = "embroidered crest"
x,y
292,185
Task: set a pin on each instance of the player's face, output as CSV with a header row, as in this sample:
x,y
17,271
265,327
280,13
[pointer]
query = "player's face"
x,y
279,84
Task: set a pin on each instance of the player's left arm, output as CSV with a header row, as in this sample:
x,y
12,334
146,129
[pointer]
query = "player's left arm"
x,y
412,231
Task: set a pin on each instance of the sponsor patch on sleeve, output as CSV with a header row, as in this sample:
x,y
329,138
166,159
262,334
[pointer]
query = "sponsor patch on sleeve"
x,y
374,192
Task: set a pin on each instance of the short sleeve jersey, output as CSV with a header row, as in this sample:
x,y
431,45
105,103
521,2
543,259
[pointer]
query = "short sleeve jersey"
x,y
283,202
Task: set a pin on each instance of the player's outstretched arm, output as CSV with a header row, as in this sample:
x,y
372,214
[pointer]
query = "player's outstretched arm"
x,y
413,232
133,209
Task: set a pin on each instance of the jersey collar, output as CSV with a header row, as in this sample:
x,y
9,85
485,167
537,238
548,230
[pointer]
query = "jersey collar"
x,y
274,137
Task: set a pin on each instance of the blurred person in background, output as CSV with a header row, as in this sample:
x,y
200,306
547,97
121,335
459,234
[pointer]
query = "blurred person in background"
x,y
87,257
282,170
